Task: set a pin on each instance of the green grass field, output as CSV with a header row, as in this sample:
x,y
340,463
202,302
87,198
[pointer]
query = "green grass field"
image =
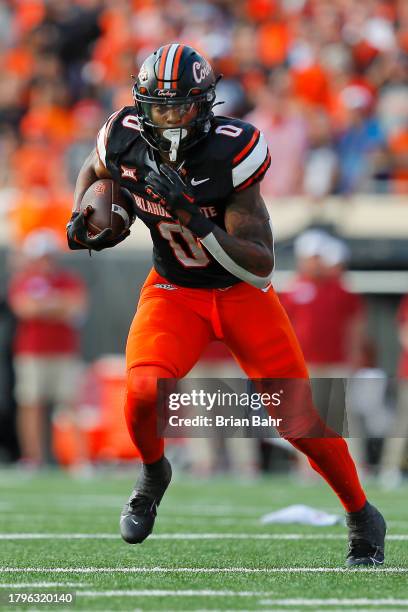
x,y
208,552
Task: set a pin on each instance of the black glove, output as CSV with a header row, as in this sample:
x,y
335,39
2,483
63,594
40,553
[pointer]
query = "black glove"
x,y
170,191
78,237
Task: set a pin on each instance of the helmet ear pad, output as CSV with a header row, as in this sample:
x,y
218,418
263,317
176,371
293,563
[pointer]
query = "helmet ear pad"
x,y
175,75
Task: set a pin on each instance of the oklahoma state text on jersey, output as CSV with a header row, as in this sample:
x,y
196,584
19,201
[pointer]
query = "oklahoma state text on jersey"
x,y
233,156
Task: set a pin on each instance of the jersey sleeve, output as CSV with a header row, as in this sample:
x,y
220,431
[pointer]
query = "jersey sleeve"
x,y
103,135
251,161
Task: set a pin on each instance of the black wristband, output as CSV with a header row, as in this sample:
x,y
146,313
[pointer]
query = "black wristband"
x,y
200,225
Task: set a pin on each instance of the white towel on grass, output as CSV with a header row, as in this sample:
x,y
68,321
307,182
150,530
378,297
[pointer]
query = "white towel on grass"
x,y
304,515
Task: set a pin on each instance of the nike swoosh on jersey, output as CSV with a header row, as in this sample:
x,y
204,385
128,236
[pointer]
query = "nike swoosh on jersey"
x,y
195,182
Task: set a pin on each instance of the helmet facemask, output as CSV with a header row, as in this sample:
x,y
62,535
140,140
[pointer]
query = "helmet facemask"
x,y
173,124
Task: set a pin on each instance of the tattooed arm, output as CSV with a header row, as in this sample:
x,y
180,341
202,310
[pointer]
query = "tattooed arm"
x,y
246,247
248,238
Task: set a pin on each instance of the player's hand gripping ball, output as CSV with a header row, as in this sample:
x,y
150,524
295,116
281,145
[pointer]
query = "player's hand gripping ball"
x,y
170,191
106,214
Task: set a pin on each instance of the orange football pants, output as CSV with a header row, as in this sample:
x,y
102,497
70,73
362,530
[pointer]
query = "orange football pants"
x,y
170,330
173,326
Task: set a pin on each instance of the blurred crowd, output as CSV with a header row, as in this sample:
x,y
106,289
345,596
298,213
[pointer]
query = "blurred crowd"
x,y
325,79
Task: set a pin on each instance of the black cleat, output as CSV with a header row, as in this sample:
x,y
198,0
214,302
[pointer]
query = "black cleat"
x,y
138,515
367,530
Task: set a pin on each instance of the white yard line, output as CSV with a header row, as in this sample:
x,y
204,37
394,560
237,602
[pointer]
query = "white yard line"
x,y
335,602
189,536
172,593
38,585
58,536
199,570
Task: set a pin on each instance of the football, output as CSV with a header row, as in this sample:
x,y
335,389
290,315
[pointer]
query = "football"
x,y
113,208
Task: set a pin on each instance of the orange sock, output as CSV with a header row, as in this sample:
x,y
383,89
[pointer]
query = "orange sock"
x,y
141,410
330,457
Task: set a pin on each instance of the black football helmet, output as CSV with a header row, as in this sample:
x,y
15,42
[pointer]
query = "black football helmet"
x,y
174,80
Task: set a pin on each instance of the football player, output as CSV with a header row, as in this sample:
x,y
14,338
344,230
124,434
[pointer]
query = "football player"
x,y
196,184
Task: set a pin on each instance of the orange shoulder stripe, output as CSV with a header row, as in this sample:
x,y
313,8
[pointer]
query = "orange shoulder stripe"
x,y
245,150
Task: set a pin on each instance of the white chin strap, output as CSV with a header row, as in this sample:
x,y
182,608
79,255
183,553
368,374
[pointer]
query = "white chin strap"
x,y
174,135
